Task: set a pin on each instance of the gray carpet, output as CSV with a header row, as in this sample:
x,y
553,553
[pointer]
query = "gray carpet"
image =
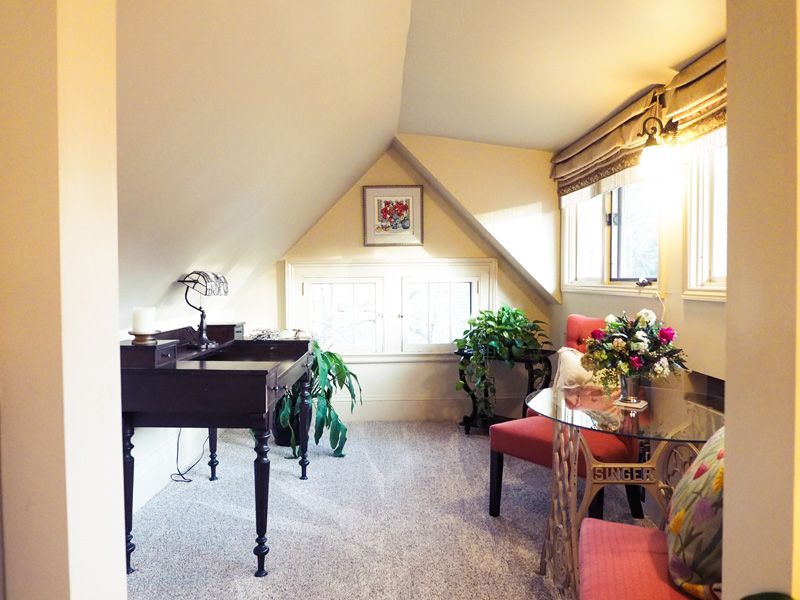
x,y
403,515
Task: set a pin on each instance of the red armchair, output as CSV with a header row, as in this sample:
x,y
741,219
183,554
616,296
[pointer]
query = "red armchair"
x,y
531,438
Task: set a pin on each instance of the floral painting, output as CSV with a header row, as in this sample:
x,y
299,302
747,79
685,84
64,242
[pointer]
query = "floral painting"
x,y
393,215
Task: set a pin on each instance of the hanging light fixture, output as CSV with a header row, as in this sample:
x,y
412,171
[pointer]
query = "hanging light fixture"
x,y
204,283
660,139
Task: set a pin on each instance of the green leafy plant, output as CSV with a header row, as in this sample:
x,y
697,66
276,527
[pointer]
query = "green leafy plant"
x,y
504,335
328,375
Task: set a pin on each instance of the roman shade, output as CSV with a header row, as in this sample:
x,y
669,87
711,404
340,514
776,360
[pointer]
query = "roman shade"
x,y
696,98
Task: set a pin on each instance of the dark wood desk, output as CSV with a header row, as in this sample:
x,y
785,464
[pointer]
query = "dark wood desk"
x,y
234,384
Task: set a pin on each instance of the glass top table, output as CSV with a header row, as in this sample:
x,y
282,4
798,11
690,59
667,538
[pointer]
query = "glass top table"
x,y
674,425
670,415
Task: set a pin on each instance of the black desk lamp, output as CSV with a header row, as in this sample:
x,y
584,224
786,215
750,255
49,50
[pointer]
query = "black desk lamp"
x,y
204,283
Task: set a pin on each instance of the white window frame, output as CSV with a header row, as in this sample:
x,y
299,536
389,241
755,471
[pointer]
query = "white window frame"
x,y
569,245
699,194
481,270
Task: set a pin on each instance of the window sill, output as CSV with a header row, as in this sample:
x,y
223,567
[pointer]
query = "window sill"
x,y
705,295
404,357
613,290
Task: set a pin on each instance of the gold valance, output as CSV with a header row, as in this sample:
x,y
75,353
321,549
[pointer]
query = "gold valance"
x,y
696,98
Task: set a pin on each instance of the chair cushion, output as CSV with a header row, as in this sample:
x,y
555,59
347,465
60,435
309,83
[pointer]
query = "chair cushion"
x,y
694,529
531,439
619,562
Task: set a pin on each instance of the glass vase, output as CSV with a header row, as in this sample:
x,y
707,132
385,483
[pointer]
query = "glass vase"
x,y
630,388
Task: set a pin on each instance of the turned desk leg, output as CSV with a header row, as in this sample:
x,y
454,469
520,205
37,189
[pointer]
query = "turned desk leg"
x,y
212,452
261,476
305,416
127,472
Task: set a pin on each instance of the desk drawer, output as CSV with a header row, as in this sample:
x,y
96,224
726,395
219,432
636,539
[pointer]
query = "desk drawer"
x,y
148,357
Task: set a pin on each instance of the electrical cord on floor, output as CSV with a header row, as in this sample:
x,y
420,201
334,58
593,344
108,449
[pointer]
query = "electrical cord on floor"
x,y
180,476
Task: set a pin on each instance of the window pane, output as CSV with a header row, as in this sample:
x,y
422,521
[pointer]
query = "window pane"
x,y
436,311
440,313
321,313
344,315
343,325
589,239
365,314
461,304
719,215
634,232
416,312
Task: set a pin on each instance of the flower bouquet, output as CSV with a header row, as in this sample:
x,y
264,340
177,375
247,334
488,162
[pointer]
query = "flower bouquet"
x,y
640,348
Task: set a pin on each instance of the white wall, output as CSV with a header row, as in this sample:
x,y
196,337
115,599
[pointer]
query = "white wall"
x,y
59,366
762,454
424,389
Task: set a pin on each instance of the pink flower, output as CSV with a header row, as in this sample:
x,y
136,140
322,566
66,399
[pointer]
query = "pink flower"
x,y
598,334
636,362
666,335
721,454
701,470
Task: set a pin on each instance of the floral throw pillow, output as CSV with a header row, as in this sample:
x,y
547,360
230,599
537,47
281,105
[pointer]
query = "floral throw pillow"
x,y
694,525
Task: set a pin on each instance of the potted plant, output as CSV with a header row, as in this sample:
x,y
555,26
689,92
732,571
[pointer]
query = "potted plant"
x,y
328,374
504,335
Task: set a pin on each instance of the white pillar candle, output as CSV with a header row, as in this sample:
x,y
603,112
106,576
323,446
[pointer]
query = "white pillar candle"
x,y
144,320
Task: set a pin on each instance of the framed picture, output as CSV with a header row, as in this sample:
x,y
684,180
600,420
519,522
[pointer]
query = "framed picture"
x,y
392,215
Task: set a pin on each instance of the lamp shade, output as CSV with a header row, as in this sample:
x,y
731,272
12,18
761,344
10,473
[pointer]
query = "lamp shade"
x,y
206,283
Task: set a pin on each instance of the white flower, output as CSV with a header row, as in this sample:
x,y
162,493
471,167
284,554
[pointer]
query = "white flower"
x,y
639,346
641,336
646,316
618,344
663,363
611,319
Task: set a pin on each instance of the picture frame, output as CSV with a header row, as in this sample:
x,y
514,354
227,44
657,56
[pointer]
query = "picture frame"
x,y
392,215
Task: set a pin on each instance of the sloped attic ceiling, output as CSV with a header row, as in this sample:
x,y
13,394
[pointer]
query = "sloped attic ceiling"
x,y
536,73
239,124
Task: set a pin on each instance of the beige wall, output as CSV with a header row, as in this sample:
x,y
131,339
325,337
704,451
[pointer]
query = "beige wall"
x,y
417,390
59,365
504,192
762,454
